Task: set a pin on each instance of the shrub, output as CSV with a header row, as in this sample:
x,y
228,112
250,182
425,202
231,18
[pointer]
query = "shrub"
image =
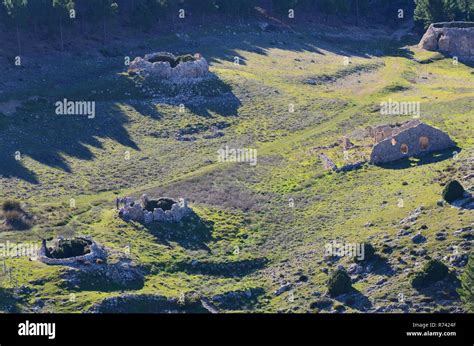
x,y
369,253
11,205
185,58
15,219
163,203
171,59
70,248
453,191
432,272
339,283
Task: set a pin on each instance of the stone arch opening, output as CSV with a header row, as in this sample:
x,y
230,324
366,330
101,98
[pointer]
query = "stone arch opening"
x,y
404,149
424,142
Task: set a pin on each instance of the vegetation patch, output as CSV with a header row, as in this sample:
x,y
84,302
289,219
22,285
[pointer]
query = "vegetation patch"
x,y
66,248
339,283
14,216
453,191
433,271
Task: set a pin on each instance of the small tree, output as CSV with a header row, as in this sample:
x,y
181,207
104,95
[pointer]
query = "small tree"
x,y
339,283
62,9
18,13
453,191
429,11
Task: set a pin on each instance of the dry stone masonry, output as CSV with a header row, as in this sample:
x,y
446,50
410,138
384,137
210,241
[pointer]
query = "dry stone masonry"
x,y
92,253
410,139
454,38
167,210
167,66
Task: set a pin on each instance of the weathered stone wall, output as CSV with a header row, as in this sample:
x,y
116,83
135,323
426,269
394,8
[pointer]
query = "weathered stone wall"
x,y
390,149
456,38
184,70
136,212
96,252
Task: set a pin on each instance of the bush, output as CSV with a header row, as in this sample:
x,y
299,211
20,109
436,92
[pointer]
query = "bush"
x,y
11,205
453,191
15,219
70,248
369,253
339,283
432,272
163,203
171,59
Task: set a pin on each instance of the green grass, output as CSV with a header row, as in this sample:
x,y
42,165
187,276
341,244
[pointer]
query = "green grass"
x,y
240,207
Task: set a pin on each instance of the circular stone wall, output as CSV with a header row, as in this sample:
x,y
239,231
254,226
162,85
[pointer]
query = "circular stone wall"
x,y
168,66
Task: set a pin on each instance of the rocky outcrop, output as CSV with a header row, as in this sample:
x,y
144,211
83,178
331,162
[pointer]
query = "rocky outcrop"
x,y
454,38
153,66
410,139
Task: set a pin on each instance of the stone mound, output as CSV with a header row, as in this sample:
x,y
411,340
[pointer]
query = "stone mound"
x,y
454,38
165,65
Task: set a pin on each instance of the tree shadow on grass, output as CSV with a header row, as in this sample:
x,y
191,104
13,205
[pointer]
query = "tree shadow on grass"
x,y
419,160
42,135
37,132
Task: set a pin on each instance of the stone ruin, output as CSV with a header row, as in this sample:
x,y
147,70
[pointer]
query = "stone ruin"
x,y
390,143
164,65
412,138
454,38
84,256
148,210
74,251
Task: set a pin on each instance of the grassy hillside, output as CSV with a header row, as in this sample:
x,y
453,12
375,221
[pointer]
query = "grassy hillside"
x,y
247,235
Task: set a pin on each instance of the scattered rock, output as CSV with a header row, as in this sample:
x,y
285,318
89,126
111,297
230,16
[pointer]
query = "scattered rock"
x,y
283,288
418,238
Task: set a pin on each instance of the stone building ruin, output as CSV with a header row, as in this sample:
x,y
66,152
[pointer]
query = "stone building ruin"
x,y
167,66
410,139
148,210
454,38
75,251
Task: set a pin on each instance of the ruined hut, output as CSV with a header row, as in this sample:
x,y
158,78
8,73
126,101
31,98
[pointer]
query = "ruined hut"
x,y
454,38
149,210
74,251
165,65
410,139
